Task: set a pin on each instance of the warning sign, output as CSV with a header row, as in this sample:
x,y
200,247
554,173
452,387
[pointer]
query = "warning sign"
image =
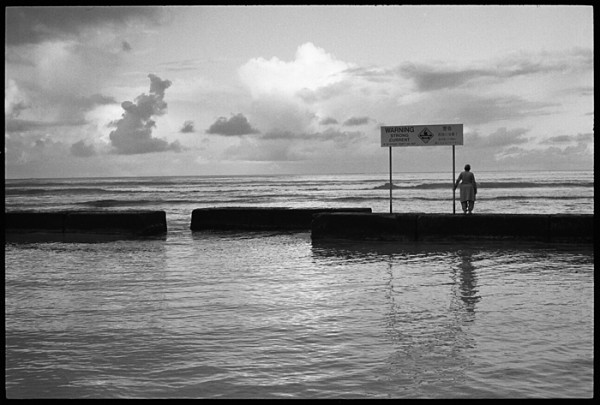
x,y
425,135
422,135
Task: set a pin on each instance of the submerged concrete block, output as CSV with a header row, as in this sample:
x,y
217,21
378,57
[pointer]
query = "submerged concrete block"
x,y
134,222
571,227
482,227
451,227
355,226
30,221
259,218
66,225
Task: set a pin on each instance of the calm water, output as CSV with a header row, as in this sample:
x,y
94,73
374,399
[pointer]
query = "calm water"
x,y
274,315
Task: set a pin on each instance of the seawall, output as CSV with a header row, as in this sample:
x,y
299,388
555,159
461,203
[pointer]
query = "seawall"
x,y
260,218
83,225
450,227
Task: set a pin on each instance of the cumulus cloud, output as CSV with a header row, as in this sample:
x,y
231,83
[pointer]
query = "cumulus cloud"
x,y
77,108
312,68
188,126
31,148
234,126
14,100
133,133
60,81
294,100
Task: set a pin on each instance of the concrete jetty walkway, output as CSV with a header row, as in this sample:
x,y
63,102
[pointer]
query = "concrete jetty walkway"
x,y
450,227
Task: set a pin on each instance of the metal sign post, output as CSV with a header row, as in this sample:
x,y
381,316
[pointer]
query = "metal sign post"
x,y
453,180
390,179
423,135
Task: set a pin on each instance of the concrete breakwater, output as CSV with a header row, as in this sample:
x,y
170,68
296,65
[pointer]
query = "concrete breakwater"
x,y
260,218
450,227
75,225
324,223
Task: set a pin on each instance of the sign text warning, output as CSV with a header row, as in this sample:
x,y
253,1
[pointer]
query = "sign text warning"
x,y
422,135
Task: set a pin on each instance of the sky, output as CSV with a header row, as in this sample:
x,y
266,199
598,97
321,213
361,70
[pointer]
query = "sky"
x,y
267,90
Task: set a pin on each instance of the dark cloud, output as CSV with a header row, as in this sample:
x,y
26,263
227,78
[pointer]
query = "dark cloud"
x,y
182,65
81,149
16,108
355,121
26,25
373,75
430,78
19,125
125,46
463,106
587,137
575,59
133,133
77,107
562,139
286,135
188,126
234,126
585,91
328,121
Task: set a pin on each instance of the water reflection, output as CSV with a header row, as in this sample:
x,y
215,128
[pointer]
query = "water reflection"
x,y
465,293
429,298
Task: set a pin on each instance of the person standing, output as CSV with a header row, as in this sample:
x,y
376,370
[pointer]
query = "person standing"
x,y
468,189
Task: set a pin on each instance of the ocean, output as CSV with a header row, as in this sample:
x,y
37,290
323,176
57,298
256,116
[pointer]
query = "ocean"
x,y
225,314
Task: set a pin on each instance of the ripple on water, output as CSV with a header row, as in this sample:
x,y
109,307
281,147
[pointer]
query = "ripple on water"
x,y
225,314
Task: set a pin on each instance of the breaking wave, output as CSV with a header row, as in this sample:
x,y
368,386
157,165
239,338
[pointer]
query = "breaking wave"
x,y
482,185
